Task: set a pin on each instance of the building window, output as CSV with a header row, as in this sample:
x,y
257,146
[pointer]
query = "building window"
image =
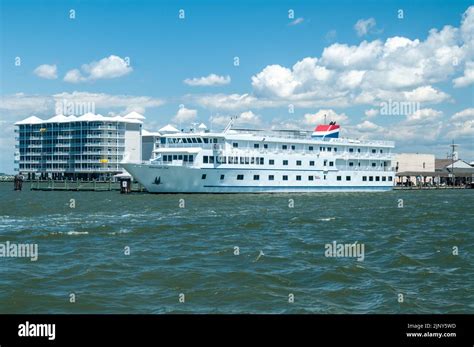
x,y
235,145
310,178
285,178
331,163
423,165
240,177
348,178
256,177
364,178
298,162
271,162
339,178
271,177
222,177
311,163
285,162
203,177
298,178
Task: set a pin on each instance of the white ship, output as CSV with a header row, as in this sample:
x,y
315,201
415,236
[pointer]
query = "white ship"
x,y
254,161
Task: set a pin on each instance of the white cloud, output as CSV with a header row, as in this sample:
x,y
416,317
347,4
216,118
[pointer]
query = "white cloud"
x,y
426,94
318,117
106,68
211,80
467,114
425,115
364,26
247,118
370,113
296,21
46,71
185,115
468,77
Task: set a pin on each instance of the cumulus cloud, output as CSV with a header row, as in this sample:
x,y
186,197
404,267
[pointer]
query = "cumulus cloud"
x,y
370,113
467,114
424,115
364,26
185,115
319,117
210,80
106,68
468,77
46,71
247,118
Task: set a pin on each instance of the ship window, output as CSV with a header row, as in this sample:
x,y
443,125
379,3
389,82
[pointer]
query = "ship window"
x,y
321,149
311,163
374,151
310,148
185,157
203,177
351,164
298,178
194,140
255,160
389,178
339,178
222,177
358,150
262,161
256,177
265,146
384,178
348,178
271,177
285,178
371,178
211,159
335,149
324,177
310,178
247,160
271,162
284,147
231,160
377,178
256,145
293,147
242,160
175,157
285,162
381,151
191,158
351,150
214,140
331,163
325,162
373,164
236,160
298,162
205,159
206,140
224,160
329,149
180,157
240,177
252,160
235,145
358,164
364,178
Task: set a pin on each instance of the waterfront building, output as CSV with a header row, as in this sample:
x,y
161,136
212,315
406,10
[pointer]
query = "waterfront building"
x,y
90,146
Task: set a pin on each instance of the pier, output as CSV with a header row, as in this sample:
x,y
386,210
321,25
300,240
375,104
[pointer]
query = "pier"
x,y
78,185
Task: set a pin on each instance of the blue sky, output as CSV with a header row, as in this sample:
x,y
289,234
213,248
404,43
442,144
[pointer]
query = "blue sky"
x,y
388,59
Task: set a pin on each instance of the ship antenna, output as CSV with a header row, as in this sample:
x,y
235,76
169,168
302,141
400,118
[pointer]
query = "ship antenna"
x,y
229,125
324,118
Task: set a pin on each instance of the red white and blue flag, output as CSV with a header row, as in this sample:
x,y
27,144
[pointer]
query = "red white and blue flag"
x,y
326,130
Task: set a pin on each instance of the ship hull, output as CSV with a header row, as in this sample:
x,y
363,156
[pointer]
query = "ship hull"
x,y
183,179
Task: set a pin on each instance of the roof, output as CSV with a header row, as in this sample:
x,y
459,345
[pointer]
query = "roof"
x,y
442,163
88,117
168,129
134,115
150,133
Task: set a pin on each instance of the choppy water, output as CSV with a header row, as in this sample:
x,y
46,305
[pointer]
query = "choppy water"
x,y
191,251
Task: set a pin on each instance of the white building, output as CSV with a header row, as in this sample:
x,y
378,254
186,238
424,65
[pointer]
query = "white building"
x,y
88,146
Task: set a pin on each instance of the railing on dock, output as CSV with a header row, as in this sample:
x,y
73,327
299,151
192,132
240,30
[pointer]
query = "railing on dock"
x,y
79,185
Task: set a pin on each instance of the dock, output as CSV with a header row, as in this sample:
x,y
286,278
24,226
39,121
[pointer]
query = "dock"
x,y
78,185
